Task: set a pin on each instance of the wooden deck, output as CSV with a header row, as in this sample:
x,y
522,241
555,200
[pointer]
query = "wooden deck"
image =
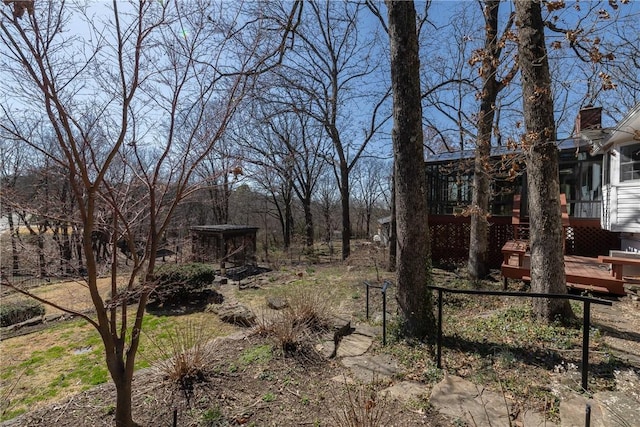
x,y
601,275
582,272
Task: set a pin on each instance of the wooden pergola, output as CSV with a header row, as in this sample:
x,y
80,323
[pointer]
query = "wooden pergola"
x,y
224,244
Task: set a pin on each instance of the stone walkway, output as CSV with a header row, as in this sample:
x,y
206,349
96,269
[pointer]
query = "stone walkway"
x,y
465,403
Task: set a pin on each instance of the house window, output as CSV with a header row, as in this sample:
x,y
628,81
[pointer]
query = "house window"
x,y
629,162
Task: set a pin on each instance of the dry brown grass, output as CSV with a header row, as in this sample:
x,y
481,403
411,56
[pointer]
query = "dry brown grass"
x,y
72,294
183,354
362,405
50,365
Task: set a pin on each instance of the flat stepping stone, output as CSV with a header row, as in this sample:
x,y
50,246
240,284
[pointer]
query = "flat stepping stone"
x,y
618,409
354,345
277,303
573,409
405,391
458,398
368,330
369,368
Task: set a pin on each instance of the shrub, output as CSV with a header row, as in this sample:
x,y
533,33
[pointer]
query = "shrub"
x,y
175,282
18,311
362,405
285,329
307,312
183,355
309,307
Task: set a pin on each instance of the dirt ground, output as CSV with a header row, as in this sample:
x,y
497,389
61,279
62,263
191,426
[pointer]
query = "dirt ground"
x,y
249,381
278,392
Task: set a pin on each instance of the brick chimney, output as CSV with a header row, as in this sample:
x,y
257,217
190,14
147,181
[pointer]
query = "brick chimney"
x,y
589,118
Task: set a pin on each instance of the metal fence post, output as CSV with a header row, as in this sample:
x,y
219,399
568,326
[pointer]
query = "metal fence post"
x,y
585,343
366,285
385,285
439,339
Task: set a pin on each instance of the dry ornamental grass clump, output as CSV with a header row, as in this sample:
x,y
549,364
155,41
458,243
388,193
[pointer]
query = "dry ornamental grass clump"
x,y
182,355
362,405
309,306
307,313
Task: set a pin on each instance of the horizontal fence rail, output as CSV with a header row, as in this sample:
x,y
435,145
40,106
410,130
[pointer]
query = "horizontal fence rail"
x,y
586,318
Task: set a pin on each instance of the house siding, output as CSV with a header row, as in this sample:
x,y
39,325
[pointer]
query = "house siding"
x,y
628,209
606,214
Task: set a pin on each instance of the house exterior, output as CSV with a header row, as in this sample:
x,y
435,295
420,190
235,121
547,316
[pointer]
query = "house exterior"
x,y
449,193
621,180
450,180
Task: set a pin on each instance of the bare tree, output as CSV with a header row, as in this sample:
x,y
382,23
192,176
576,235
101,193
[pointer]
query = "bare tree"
x,y
13,162
145,77
541,155
278,184
413,255
492,84
371,178
335,70
219,173
327,199
287,141
593,57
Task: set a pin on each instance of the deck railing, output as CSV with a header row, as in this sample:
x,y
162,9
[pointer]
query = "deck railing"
x,y
450,238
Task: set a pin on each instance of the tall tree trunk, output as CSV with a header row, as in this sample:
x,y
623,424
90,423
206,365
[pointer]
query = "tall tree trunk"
x,y
541,156
42,271
346,215
326,213
123,415
413,272
478,266
13,231
288,225
367,222
77,241
393,240
308,221
66,249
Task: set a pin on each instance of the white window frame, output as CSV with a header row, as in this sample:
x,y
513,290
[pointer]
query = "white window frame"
x,y
636,146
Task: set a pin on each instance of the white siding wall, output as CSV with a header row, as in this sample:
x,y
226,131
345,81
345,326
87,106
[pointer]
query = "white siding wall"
x,y
628,211
605,215
621,200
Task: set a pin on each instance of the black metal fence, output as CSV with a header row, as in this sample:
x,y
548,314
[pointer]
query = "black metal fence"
x,y
586,321
385,286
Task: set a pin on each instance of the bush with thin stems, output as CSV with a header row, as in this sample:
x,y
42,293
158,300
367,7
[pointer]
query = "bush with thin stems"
x,y
307,312
362,405
182,356
309,307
